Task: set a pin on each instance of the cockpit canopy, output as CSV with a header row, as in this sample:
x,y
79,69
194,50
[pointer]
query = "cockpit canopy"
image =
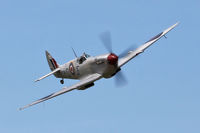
x,y
86,55
82,58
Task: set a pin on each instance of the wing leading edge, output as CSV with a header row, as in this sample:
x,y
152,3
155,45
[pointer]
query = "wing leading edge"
x,y
90,79
141,49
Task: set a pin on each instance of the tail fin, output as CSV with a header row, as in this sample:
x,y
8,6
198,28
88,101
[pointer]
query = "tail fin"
x,y
51,61
53,66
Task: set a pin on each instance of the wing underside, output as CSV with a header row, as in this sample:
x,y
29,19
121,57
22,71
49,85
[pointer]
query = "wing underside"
x,y
141,49
89,79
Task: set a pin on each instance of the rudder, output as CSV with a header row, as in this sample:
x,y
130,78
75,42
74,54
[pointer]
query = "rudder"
x,y
51,61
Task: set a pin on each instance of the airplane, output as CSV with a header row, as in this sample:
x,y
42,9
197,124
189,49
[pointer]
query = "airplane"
x,y
89,69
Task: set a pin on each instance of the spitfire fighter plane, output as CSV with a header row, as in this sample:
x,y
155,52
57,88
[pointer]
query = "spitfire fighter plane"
x,y
88,68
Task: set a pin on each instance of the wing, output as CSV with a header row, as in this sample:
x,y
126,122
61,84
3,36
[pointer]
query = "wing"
x,y
141,49
81,83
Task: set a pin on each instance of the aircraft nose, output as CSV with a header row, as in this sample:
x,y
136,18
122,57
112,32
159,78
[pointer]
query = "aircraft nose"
x,y
112,59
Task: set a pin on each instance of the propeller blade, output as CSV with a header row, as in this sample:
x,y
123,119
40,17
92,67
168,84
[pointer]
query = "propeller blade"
x,y
125,52
120,79
106,40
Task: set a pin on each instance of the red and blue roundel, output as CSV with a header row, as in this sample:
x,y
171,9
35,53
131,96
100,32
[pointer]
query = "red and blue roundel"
x,y
71,68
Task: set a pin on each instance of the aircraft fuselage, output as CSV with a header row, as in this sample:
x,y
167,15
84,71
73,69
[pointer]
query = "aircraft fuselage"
x,y
75,69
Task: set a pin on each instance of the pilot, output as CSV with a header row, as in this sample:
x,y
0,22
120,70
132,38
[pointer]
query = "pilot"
x,y
82,58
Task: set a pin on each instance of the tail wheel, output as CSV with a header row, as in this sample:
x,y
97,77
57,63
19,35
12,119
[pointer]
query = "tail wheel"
x,y
62,81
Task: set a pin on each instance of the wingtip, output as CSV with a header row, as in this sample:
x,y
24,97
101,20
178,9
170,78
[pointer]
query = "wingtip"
x,y
177,23
20,109
172,27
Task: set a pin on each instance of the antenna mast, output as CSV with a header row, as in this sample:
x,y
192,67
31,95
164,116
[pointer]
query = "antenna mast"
x,y
74,52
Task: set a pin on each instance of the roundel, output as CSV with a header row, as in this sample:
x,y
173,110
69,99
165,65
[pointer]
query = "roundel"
x,y
71,68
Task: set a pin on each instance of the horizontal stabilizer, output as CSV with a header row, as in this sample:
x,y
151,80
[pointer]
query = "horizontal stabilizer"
x,y
53,72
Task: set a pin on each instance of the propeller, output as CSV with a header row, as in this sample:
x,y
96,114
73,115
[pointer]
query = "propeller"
x,y
120,79
106,40
124,53
105,37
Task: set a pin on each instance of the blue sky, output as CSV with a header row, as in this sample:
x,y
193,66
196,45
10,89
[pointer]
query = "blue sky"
x,y
163,90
